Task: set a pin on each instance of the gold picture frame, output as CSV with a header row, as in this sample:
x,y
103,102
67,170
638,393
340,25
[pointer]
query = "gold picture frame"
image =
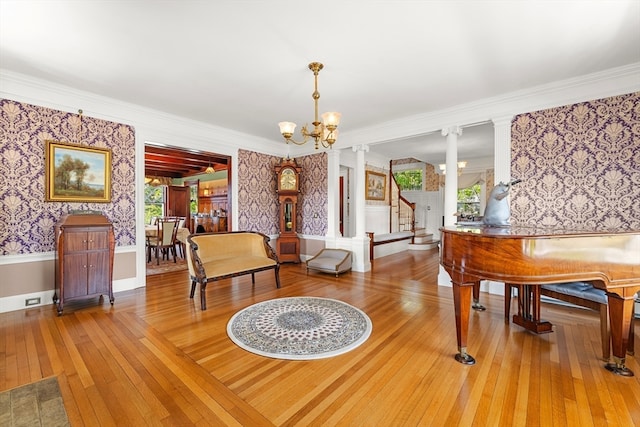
x,y
376,185
75,173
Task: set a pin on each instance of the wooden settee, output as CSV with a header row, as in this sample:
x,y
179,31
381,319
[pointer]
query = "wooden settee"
x,y
215,256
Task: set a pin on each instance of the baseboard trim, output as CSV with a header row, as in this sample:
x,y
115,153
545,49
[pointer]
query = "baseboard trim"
x,y
17,302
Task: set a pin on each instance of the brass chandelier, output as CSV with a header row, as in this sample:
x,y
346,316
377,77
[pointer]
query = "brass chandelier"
x,y
325,132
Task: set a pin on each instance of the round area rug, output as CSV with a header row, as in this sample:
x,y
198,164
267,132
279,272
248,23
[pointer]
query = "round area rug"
x,y
299,328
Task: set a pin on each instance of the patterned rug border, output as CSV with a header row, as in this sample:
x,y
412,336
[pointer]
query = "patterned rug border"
x,y
354,326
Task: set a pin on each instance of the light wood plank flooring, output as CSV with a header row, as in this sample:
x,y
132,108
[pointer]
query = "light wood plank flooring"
x,y
155,358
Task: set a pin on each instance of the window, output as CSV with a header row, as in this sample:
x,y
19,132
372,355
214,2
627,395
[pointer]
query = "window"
x,y
469,200
193,203
409,180
153,202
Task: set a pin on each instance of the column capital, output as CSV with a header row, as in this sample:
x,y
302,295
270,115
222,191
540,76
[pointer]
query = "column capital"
x,y
502,120
361,147
453,130
333,154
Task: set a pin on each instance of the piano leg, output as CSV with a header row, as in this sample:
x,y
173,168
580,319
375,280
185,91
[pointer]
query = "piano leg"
x,y
476,298
620,312
461,302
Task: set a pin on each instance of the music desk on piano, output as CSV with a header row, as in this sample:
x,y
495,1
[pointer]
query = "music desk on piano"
x,y
537,256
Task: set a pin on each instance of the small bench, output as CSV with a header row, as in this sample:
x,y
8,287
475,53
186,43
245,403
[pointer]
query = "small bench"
x,y
381,239
215,256
582,294
333,261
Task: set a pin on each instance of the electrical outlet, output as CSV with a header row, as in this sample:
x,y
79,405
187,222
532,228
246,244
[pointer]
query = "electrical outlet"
x,y
32,301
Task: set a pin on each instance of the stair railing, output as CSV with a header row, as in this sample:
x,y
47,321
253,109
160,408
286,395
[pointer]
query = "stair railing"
x,y
402,212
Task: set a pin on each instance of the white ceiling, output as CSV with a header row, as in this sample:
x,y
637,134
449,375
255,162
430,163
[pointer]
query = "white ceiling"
x,y
242,65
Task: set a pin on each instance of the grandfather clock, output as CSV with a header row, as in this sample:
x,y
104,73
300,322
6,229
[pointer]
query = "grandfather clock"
x,y
288,178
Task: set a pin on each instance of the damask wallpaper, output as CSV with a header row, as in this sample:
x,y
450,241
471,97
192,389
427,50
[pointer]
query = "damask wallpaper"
x,y
579,165
26,220
314,194
258,201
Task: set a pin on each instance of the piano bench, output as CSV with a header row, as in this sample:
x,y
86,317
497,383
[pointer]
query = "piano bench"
x,y
584,294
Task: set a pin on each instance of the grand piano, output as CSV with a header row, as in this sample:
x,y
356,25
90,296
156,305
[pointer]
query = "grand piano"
x,y
537,256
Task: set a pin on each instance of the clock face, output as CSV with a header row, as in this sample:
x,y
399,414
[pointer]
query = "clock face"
x,y
288,180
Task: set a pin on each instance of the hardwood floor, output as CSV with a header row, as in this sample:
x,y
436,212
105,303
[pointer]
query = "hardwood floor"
x,y
155,358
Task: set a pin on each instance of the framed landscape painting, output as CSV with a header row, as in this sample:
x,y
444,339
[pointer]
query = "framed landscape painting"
x,y
376,185
76,173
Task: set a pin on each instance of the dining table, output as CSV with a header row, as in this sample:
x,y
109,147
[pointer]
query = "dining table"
x,y
181,234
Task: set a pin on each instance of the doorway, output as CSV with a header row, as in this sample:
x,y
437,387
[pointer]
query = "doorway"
x,y
190,184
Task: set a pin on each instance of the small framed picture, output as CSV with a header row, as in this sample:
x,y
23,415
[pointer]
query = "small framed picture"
x,y
76,173
376,185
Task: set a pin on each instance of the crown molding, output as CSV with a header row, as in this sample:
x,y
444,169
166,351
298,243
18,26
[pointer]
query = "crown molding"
x,y
612,82
156,126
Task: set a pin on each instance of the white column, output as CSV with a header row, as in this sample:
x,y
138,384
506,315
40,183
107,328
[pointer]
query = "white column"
x,y
333,194
451,176
360,242
502,173
360,187
502,149
483,193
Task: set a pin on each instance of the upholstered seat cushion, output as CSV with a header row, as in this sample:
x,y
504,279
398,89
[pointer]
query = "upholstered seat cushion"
x,y
228,254
579,290
331,261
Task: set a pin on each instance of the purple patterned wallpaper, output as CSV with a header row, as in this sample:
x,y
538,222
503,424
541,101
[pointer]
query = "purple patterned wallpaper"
x,y
26,220
258,201
313,206
580,165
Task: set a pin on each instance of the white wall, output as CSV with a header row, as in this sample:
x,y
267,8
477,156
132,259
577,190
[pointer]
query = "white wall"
x,y
429,208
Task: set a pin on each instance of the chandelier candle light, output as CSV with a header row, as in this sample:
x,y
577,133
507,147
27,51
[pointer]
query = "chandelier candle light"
x,y
461,165
324,132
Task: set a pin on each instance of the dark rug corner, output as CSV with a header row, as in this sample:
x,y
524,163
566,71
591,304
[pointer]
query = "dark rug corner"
x,y
35,404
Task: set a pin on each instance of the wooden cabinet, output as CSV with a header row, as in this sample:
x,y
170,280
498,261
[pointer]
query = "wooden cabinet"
x,y
209,204
85,246
211,224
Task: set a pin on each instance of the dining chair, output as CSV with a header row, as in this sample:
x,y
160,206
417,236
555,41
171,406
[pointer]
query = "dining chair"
x,y
164,241
181,236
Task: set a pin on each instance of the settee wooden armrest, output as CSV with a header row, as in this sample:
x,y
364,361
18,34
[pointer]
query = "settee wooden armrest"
x,y
334,261
216,256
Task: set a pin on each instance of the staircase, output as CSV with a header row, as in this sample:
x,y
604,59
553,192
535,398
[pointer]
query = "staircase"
x,y
403,218
423,241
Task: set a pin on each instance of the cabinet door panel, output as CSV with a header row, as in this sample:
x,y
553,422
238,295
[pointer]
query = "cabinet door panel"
x,y
98,272
178,199
75,242
75,275
97,240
